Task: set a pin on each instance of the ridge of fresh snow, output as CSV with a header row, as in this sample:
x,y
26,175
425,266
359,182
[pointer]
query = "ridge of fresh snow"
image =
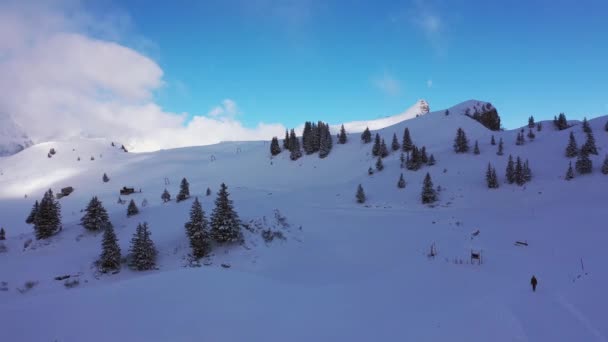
x,y
12,136
421,107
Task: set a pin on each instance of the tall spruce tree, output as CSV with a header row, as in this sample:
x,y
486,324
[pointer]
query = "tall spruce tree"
x,y
589,145
476,148
31,218
325,138
539,126
295,152
197,230
342,138
531,134
109,260
142,252
428,195
583,163
225,223
586,127
275,148
184,190
492,141
570,172
366,136
571,149
379,164
531,122
307,138
407,145
461,144
527,172
286,141
376,147
401,182
605,165
383,149
395,146
132,209
48,216
500,148
424,159
431,160
96,217
360,196
491,179
519,172
510,172
166,196
2,234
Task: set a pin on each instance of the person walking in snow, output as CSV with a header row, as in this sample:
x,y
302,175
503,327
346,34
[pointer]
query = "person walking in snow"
x,y
533,281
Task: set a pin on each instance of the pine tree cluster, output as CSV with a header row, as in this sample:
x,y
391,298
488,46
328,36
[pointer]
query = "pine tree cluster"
x,y
584,164
317,138
518,172
417,158
45,216
531,134
520,138
589,145
531,122
560,122
166,196
461,143
488,116
379,148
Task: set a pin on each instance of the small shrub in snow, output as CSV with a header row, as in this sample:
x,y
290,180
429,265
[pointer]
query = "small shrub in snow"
x,y
431,161
208,193
27,286
269,235
105,178
379,164
401,182
492,141
132,209
71,283
370,171
539,126
144,203
476,148
166,196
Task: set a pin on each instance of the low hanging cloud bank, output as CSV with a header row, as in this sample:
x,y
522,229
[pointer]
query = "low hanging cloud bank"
x,y
60,82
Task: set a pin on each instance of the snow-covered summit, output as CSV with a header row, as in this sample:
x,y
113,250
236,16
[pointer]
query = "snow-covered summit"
x,y
13,138
421,107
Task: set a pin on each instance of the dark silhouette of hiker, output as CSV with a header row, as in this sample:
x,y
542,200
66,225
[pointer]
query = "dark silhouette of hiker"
x,y
533,281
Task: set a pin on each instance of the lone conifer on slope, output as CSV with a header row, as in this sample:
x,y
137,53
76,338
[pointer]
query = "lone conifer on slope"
x,y
142,252
166,196
431,160
492,141
109,259
105,178
208,193
589,145
586,127
605,166
401,182
500,148
429,195
395,143
379,164
342,138
197,230
274,146
407,144
366,136
583,163
570,172
132,209
32,216
510,172
48,216
225,223
2,234
376,147
360,194
571,149
531,122
96,217
476,148
491,178
561,122
461,144
184,190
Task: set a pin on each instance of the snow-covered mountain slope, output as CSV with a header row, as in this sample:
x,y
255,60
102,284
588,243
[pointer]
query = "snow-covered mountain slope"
x,y
12,136
345,271
421,107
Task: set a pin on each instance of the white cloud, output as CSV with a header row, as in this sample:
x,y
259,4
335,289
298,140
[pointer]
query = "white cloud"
x,y
388,84
429,83
425,17
58,82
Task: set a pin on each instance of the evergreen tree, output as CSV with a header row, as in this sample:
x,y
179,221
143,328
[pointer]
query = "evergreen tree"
x,y
366,136
414,162
527,173
105,178
48,216
586,127
605,166
274,146
132,209
583,163
197,230
166,196
342,138
539,126
500,148
96,217
476,148
570,173
531,122
208,193
395,144
606,126
510,173
461,144
431,160
295,152
316,136
184,190
492,141
560,122
520,139
326,142
429,195
32,216
293,139
225,223
360,194
142,252
424,159
531,134
307,138
2,234
401,182
376,147
286,141
383,149
407,145
571,149
379,164
402,160
109,259
491,178
589,145
519,172
370,171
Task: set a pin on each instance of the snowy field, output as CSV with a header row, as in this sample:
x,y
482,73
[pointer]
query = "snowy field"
x,y
345,271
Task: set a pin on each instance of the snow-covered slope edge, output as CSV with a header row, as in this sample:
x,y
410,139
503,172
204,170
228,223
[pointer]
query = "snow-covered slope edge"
x,y
12,136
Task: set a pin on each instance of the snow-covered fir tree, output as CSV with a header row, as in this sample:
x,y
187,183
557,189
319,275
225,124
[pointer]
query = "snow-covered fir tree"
x,y
166,196
286,141
360,196
307,138
560,122
32,216
184,190
531,134
531,122
589,145
407,144
429,194
325,140
586,127
583,163
383,149
401,182
366,136
225,223
510,172
48,216
491,178
2,234
605,165
296,151
275,148
500,148
132,209
379,164
95,216
414,160
570,172
519,172
461,144
342,138
395,146
105,178
431,161
571,149
492,141
142,254
476,148
376,146
197,230
109,260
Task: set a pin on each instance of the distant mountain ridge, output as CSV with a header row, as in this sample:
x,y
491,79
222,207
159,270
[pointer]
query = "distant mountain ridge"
x,y
13,138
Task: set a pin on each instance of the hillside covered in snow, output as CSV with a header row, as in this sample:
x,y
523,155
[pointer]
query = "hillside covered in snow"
x,y
313,263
